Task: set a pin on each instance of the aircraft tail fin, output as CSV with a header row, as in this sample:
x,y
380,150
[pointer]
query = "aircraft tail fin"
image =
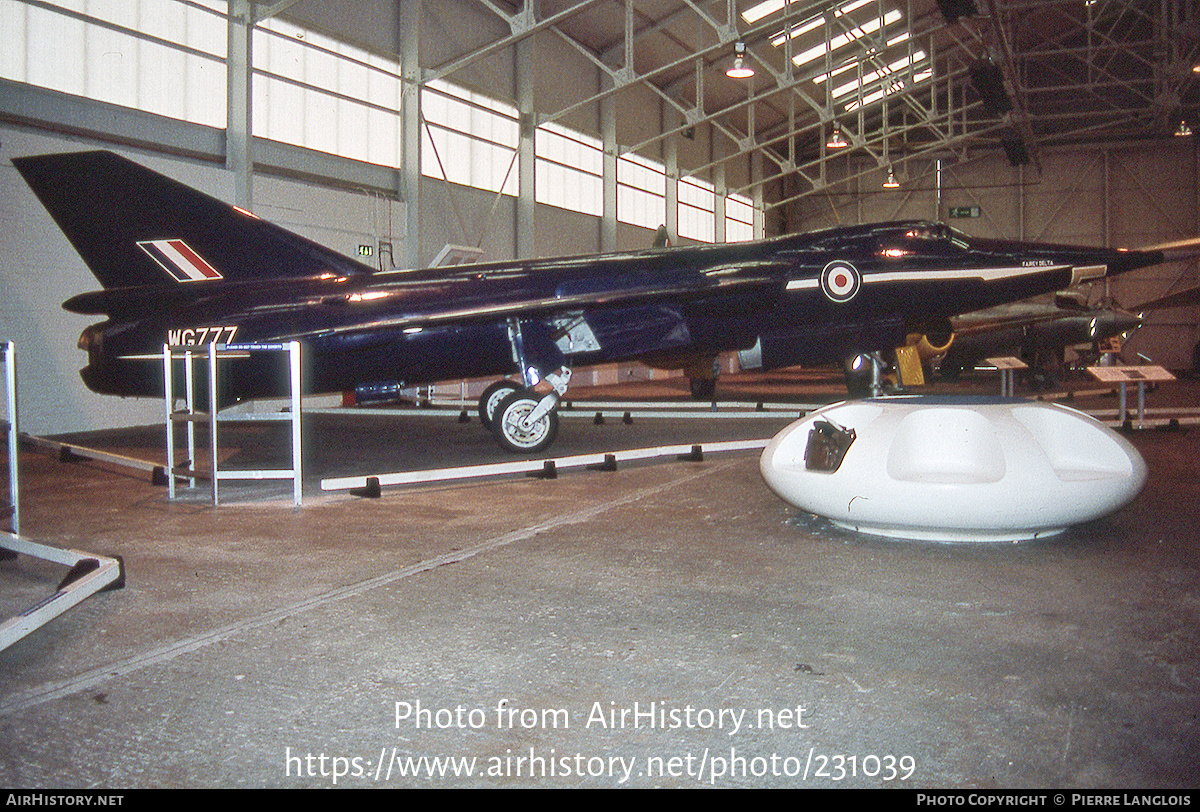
x,y
134,227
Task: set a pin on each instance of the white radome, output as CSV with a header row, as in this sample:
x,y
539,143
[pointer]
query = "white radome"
x,y
953,468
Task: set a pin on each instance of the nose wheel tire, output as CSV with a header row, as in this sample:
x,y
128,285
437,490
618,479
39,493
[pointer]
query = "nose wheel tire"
x,y
491,398
508,419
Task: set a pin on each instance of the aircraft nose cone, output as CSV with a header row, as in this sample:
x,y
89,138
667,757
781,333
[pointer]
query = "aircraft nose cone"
x,y
1128,321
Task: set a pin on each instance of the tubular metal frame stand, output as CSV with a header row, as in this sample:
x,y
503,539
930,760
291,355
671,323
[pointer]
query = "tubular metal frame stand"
x,y
190,416
11,429
88,573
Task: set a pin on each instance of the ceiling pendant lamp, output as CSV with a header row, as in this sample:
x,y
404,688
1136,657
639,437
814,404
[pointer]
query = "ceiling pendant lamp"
x,y
837,140
740,69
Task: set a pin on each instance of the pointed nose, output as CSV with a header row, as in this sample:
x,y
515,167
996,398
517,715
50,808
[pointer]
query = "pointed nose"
x,y
1114,322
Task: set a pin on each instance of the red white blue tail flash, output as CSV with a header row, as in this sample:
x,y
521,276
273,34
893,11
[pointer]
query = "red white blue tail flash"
x,y
178,259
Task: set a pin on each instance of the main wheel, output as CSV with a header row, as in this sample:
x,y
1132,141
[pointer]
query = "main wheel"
x,y
491,398
507,420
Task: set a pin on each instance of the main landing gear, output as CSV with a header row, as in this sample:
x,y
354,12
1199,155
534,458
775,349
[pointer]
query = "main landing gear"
x,y
524,419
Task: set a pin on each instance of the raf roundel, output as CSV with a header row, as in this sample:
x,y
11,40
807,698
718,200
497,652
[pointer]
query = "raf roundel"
x,y
840,281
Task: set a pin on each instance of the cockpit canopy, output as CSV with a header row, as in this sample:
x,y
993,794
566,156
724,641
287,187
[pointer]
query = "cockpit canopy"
x,y
921,239
899,239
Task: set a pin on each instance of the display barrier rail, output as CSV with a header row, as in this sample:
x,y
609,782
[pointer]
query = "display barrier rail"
x,y
584,409
71,452
190,416
545,468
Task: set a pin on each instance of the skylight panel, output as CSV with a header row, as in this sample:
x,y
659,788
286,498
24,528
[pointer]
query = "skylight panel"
x,y
853,63
763,9
853,35
813,23
876,75
889,88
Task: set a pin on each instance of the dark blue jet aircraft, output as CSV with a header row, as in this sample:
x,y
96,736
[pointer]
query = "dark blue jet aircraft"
x,y
180,267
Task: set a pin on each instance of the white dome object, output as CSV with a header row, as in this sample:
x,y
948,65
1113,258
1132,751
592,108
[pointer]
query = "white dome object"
x,y
953,468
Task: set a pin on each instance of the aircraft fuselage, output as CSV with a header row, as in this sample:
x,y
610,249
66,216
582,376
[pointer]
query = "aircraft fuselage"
x,y
808,299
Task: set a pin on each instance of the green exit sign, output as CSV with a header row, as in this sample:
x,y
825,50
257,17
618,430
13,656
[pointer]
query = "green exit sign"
x,y
365,250
965,211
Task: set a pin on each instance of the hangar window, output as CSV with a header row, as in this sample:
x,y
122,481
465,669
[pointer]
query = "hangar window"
x,y
167,57
739,219
316,92
471,139
160,56
697,210
641,191
570,170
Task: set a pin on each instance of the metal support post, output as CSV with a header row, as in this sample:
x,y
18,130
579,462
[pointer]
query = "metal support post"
x,y
212,418
1007,367
88,573
12,429
877,367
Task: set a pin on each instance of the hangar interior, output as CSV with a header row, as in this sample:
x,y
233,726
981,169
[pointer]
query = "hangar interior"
x,y
258,645
1085,152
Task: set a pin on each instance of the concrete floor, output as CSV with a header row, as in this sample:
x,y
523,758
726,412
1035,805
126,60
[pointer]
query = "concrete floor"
x,y
660,625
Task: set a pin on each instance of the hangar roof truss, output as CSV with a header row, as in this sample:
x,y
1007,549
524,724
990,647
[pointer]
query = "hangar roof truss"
x,y
897,78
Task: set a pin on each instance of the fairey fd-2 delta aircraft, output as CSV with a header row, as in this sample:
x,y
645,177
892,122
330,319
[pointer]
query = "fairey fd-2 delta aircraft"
x,y
178,266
